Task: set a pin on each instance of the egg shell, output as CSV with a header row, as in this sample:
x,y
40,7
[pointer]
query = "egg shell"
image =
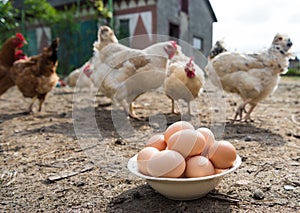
x,y
199,166
177,126
166,163
222,154
187,142
209,137
143,157
218,171
157,141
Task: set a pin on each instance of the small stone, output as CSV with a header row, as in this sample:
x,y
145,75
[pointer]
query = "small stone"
x,y
79,184
62,115
289,134
247,138
243,182
289,187
239,131
119,141
258,194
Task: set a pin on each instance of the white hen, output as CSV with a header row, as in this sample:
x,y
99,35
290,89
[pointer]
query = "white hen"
x,y
252,76
122,73
184,80
80,77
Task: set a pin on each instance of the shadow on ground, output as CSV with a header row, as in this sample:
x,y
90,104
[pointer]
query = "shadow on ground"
x,y
142,199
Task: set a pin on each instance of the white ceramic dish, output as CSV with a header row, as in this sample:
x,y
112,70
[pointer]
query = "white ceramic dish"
x,y
182,188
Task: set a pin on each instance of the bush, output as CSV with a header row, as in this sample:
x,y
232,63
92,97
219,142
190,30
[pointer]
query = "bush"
x,y
294,71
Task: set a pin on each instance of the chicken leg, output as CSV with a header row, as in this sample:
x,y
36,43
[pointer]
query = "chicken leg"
x,y
241,109
129,109
31,104
189,108
132,113
174,111
247,117
41,98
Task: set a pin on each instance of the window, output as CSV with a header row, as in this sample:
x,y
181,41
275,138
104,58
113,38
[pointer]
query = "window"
x,y
185,6
198,43
124,29
174,30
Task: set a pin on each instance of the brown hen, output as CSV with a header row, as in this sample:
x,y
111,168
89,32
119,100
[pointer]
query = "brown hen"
x,y
36,76
7,58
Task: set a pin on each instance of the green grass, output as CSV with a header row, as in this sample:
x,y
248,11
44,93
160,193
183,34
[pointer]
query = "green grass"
x,y
293,72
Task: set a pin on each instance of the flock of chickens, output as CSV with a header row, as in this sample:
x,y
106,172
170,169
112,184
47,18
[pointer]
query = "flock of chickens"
x,y
122,73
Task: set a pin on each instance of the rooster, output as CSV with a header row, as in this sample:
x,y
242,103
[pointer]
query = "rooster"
x,y
36,76
123,73
184,81
252,76
9,53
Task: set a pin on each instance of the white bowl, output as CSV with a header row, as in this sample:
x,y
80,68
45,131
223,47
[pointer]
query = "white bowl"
x,y
182,188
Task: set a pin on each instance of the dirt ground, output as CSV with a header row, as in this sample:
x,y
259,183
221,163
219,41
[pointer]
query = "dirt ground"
x,y
72,156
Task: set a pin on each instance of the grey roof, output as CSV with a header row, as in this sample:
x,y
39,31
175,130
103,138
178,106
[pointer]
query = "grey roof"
x,y
211,11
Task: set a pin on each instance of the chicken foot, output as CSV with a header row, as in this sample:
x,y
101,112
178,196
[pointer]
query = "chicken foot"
x,y
247,117
129,109
132,113
241,109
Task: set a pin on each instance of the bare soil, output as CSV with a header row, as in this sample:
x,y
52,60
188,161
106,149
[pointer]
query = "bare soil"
x,y
58,161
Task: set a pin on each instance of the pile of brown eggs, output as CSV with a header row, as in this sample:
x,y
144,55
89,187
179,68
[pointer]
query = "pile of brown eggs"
x,y
183,151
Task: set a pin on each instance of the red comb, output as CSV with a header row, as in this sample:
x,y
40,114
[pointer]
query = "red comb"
x,y
19,52
190,62
174,44
20,36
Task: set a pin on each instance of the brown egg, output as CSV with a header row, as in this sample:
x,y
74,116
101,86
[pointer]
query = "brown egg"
x,y
199,166
167,163
143,157
179,125
157,141
187,142
222,154
209,137
218,171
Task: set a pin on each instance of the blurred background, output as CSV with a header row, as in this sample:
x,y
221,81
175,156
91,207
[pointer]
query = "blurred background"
x,y
76,23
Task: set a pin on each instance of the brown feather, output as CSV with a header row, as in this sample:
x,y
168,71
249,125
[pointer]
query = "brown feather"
x,y
37,76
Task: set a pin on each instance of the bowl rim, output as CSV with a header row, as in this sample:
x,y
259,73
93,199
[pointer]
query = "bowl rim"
x,y
133,168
